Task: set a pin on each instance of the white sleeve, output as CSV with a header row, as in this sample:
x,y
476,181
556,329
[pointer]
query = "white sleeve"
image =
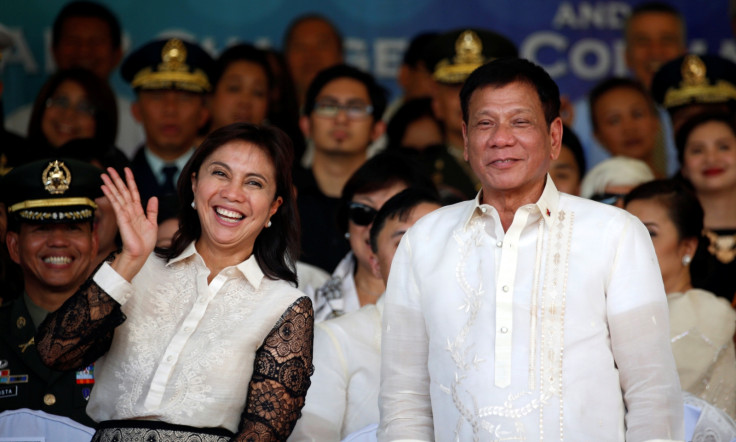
x,y
404,399
326,401
112,283
638,320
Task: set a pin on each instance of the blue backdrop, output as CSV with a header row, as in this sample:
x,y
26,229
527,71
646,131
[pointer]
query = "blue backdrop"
x,y
578,42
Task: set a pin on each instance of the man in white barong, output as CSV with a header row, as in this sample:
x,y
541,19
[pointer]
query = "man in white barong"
x,y
525,314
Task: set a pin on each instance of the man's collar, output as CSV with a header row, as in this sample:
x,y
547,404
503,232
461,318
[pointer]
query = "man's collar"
x,y
249,268
548,204
157,163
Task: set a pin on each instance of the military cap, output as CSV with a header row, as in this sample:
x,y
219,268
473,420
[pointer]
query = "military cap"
x,y
452,56
695,79
169,64
54,190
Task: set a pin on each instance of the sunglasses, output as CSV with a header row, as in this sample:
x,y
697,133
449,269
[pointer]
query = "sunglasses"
x,y
361,214
608,198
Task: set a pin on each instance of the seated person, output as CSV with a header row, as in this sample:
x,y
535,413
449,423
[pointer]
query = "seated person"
x,y
625,121
343,397
702,325
612,179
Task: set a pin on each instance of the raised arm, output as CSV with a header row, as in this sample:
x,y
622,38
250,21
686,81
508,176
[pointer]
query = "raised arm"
x,y
280,378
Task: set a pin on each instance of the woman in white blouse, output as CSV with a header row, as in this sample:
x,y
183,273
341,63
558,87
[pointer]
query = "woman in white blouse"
x,y
208,339
702,325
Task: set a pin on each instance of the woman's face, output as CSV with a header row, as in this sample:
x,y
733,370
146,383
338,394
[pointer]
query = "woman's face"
x,y
68,114
360,235
709,158
235,196
626,123
565,172
241,95
667,244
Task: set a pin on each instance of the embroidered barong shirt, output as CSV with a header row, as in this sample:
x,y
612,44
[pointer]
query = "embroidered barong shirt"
x,y
555,329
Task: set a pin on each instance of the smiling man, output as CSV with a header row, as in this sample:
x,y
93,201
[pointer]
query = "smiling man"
x,y
342,116
525,314
50,236
171,81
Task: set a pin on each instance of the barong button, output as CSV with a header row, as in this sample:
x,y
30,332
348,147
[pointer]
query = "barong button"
x,y
49,399
504,330
169,358
505,288
499,244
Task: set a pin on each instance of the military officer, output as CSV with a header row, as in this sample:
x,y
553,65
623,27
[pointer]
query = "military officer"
x,y
51,208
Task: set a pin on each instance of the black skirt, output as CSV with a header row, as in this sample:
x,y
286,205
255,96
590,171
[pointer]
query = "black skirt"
x,y
156,431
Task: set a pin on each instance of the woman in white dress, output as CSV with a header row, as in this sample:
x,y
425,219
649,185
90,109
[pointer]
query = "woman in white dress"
x,y
702,325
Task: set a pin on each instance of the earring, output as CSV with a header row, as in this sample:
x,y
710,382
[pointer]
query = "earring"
x,y
347,235
686,260
269,224
194,206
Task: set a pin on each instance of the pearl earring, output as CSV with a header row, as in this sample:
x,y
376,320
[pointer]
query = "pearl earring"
x,y
347,235
686,260
269,224
194,206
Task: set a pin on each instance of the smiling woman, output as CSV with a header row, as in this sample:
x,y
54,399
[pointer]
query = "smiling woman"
x,y
167,321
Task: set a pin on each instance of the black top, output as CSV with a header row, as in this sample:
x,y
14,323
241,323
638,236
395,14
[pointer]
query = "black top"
x,y
714,265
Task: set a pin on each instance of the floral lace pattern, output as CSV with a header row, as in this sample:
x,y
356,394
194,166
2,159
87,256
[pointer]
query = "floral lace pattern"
x,y
280,378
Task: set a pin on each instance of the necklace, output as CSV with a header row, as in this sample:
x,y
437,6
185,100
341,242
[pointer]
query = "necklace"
x,y
723,247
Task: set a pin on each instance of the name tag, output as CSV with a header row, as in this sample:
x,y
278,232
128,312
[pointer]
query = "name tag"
x,y
9,391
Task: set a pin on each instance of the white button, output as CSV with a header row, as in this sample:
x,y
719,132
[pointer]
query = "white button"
x,y
504,330
169,358
499,244
200,300
186,329
483,209
505,288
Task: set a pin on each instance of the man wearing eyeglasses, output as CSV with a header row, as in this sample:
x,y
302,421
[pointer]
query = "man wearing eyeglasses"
x,y
342,116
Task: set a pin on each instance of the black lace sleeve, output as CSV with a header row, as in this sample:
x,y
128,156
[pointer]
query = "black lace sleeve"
x,y
81,330
280,378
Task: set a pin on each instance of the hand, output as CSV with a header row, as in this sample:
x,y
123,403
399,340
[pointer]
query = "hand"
x,y
138,229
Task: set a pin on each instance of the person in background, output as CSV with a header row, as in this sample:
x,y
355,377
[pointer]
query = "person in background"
x,y
353,283
343,397
72,104
311,44
171,79
50,236
625,120
612,179
706,145
527,312
568,169
166,326
87,35
451,57
695,84
13,149
342,117
702,325
654,33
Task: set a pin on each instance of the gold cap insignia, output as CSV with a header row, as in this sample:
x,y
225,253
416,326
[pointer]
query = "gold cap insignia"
x,y
56,178
468,57
174,56
173,72
696,87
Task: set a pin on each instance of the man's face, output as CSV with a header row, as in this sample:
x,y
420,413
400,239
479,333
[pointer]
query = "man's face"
x,y
390,235
342,134
507,141
312,48
85,42
652,39
446,107
171,119
53,257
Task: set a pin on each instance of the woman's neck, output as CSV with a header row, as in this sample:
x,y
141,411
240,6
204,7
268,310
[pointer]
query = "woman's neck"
x,y
679,283
720,209
369,287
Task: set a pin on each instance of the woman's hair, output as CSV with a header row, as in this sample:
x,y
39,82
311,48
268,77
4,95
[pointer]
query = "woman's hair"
x,y
615,171
681,204
380,172
276,247
572,142
241,52
99,95
694,122
408,113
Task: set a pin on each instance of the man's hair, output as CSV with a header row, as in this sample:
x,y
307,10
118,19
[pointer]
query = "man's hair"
x,y
417,49
400,206
87,9
376,92
289,34
655,8
504,71
612,83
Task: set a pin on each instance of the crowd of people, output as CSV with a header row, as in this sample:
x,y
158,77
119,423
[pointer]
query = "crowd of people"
x,y
262,246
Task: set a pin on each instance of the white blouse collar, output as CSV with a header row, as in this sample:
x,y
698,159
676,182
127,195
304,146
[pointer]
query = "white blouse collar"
x,y
249,268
